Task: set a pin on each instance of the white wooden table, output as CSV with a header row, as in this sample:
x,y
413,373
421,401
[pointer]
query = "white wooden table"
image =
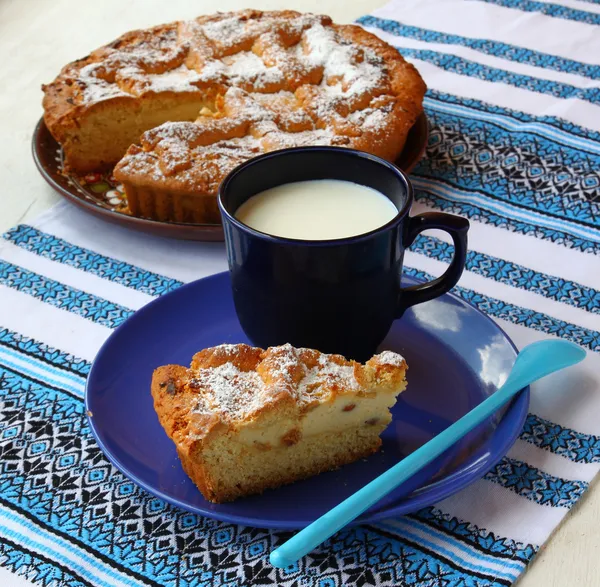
x,y
37,37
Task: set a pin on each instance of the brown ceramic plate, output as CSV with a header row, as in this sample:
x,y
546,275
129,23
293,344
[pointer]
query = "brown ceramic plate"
x,y
101,195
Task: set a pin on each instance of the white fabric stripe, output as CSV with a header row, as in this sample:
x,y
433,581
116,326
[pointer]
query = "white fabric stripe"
x,y
75,278
499,510
466,553
9,579
181,260
576,111
487,21
552,463
56,548
58,328
507,293
571,397
485,59
540,255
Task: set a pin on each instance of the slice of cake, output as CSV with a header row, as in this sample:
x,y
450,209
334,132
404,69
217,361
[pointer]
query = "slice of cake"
x,y
244,419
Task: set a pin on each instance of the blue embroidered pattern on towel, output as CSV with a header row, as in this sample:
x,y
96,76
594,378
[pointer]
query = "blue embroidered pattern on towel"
x,y
42,352
494,48
508,166
127,535
549,9
112,315
560,129
536,485
573,445
518,315
537,178
445,188
39,569
452,550
63,296
510,273
61,251
479,538
51,247
68,517
469,68
427,192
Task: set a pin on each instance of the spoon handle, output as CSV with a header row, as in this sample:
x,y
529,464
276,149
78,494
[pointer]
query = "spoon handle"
x,y
541,358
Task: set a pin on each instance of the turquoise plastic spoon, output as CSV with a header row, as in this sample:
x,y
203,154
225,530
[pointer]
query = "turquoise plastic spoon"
x,y
534,362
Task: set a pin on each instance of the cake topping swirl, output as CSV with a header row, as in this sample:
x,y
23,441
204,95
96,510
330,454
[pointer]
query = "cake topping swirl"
x,y
237,380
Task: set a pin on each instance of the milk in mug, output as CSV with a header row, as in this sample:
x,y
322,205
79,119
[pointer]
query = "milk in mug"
x,y
322,209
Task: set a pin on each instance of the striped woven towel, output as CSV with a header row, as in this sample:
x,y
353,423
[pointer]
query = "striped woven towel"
x,y
514,145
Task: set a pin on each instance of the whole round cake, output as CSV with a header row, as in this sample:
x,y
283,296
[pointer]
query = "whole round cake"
x,y
178,106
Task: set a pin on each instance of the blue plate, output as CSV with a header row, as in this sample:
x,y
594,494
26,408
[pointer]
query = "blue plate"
x,y
456,355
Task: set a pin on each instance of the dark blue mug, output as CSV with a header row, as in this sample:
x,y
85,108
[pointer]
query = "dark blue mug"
x,y
337,296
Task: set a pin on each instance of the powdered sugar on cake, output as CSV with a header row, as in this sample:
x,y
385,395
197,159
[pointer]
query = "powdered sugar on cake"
x,y
304,374
390,358
229,391
324,76
158,63
180,79
252,82
224,31
93,88
328,374
358,69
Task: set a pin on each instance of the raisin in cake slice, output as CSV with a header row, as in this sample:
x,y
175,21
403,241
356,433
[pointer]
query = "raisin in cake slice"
x,y
245,420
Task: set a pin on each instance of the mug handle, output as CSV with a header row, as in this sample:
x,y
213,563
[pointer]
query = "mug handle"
x,y
457,228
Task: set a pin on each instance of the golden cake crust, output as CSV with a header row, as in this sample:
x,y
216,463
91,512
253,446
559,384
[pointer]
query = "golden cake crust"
x,y
217,90
230,389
